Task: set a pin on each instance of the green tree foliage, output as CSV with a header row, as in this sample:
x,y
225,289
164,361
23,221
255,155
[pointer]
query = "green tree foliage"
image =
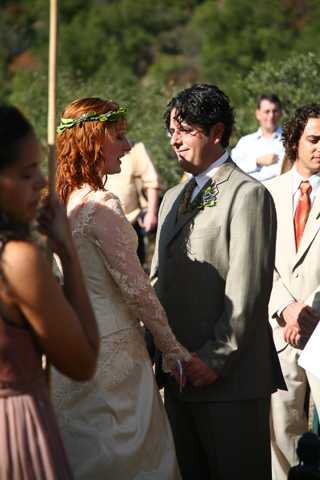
x,y
140,52
118,37
144,119
295,80
236,35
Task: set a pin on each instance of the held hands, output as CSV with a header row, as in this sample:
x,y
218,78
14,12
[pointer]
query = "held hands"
x,y
300,319
291,337
267,160
198,372
53,223
175,372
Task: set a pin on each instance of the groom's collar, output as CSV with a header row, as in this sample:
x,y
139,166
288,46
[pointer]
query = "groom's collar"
x,y
205,176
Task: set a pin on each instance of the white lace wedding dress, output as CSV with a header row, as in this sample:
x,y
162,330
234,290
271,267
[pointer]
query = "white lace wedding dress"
x,y
114,427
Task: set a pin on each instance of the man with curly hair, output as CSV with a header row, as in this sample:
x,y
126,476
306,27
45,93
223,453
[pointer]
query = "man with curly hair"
x,y
295,299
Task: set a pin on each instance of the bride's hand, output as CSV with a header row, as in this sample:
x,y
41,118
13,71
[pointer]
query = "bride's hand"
x,y
53,222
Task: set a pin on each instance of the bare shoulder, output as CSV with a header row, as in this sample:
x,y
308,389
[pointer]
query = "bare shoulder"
x,y
21,253
23,260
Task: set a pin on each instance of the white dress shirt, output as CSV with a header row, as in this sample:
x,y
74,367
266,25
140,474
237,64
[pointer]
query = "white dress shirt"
x,y
203,177
255,145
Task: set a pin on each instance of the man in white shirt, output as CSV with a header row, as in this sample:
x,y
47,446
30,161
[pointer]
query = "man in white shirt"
x,y
295,299
214,250
261,153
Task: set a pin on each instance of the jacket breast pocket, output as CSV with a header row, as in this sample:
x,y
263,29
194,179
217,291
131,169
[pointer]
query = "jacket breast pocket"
x,y
207,329
205,232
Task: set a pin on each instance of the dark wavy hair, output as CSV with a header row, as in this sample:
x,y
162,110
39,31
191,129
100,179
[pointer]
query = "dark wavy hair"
x,y
79,148
294,128
13,129
202,106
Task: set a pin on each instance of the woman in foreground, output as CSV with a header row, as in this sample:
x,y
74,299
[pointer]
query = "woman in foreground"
x,y
114,426
35,316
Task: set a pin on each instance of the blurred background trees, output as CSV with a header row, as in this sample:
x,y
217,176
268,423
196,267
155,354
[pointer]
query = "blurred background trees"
x,y
141,52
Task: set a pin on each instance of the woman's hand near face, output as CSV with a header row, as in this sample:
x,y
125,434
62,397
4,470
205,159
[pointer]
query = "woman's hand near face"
x,y
54,223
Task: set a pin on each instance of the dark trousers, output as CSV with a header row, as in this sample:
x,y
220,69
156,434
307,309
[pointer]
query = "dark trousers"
x,y
221,440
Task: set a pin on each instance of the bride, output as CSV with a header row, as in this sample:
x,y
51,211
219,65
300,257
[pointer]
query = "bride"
x,y
113,426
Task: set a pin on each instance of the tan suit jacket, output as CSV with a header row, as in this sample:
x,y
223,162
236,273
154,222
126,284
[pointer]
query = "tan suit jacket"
x,y
297,273
212,271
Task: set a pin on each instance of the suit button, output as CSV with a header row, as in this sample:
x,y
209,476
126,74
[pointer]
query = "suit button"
x,y
296,275
166,287
169,255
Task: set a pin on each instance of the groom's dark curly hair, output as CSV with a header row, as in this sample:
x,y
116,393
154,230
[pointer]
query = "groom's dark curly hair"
x,y
202,106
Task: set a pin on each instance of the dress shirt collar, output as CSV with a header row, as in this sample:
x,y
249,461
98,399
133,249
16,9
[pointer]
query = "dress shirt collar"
x,y
203,177
276,134
297,179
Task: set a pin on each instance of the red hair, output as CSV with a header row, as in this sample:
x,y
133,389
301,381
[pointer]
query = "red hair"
x,y
79,147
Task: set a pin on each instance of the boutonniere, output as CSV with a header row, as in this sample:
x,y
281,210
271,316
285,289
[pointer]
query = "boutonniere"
x,y
206,198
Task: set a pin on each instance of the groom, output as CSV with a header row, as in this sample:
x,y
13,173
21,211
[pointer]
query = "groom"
x,y
212,271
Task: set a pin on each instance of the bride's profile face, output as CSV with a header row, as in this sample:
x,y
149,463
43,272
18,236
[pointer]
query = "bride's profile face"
x,y
112,152
21,182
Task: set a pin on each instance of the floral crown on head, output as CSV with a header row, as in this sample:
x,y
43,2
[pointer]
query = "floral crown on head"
x,y
111,116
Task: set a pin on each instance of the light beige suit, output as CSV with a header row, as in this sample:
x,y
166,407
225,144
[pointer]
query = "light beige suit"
x,y
212,271
296,278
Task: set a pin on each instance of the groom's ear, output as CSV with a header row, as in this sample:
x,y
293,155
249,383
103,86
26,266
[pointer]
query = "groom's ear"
x,y
216,132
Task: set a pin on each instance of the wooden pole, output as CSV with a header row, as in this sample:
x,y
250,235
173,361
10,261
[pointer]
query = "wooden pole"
x,y
52,93
52,118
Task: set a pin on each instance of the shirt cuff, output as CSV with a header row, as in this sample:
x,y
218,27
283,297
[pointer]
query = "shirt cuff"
x,y
279,312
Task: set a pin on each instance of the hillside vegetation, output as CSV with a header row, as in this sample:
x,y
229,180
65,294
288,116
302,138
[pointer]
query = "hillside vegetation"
x,y
142,52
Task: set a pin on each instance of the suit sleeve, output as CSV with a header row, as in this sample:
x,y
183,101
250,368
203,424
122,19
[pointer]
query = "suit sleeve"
x,y
153,279
280,295
252,237
155,258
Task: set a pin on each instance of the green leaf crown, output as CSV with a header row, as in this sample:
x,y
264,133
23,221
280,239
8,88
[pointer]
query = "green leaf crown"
x,y
111,116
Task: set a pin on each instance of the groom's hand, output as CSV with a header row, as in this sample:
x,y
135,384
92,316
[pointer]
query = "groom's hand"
x,y
199,373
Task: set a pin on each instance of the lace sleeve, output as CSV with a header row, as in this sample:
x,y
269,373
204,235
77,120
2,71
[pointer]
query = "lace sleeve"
x,y
118,241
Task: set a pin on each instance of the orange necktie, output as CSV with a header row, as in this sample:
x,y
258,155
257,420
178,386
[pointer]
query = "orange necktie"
x,y
302,211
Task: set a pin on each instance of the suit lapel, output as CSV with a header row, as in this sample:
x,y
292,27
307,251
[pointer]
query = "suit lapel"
x,y
186,217
286,233
224,172
311,230
221,176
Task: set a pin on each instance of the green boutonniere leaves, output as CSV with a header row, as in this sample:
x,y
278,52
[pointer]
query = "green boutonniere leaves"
x,y
206,198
